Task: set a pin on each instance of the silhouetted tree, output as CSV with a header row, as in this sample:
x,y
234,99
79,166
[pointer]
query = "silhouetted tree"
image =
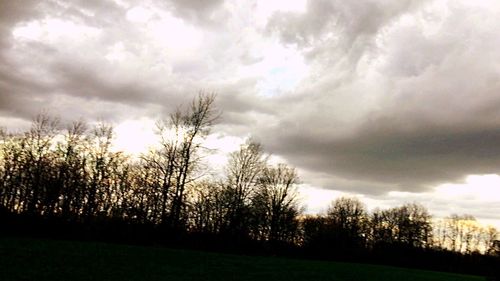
x,y
316,235
173,163
196,123
408,225
495,248
13,174
463,234
243,169
207,207
274,205
72,173
103,172
347,220
492,245
39,159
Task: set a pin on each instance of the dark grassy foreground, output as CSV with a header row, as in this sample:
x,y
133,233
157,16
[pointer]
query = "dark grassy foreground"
x,y
34,259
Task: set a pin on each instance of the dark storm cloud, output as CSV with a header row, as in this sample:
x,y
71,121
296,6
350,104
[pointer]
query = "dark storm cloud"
x,y
416,106
408,159
17,91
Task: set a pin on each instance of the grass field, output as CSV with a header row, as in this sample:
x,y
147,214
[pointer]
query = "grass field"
x,y
33,259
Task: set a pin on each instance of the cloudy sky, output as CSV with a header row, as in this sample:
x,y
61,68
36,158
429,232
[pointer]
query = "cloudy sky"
x,y
393,101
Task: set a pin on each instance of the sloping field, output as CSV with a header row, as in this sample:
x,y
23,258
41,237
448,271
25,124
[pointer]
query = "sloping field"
x,y
33,259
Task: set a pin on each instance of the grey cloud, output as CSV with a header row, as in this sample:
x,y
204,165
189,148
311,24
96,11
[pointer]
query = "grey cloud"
x,y
17,91
430,116
79,80
248,59
23,93
345,28
95,13
407,159
418,138
36,75
71,108
203,13
12,12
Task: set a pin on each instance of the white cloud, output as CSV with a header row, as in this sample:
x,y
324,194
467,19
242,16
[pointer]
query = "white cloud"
x,y
219,147
175,34
484,188
477,195
317,200
31,31
55,31
117,52
139,14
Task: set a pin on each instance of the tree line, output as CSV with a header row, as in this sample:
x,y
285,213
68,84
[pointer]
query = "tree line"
x,y
73,174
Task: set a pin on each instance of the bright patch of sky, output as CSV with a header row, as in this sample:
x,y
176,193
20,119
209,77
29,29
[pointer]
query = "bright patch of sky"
x,y
282,69
167,31
473,196
485,188
116,53
219,146
135,136
317,200
175,34
279,68
14,124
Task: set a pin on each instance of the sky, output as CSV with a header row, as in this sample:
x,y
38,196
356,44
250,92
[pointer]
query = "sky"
x,y
392,101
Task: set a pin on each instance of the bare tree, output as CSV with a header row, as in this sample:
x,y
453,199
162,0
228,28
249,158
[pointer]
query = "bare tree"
x,y
347,218
275,204
207,207
196,122
38,142
408,225
72,175
490,240
176,159
464,234
12,165
243,170
103,165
